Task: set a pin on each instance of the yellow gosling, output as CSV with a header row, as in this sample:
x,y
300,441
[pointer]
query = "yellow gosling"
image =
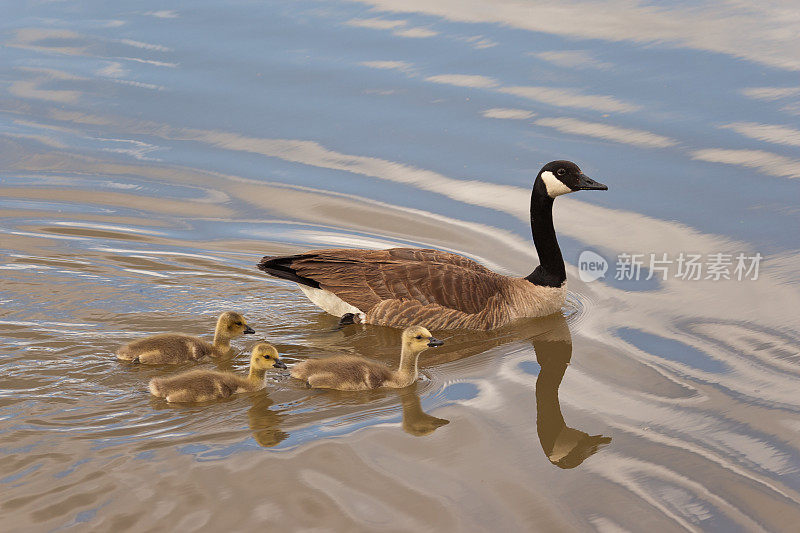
x,y
206,385
347,372
173,348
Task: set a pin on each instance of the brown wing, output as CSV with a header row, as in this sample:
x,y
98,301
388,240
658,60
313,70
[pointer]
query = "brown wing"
x,y
365,278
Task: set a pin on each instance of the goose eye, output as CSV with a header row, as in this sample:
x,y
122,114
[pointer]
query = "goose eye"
x,y
561,172
419,337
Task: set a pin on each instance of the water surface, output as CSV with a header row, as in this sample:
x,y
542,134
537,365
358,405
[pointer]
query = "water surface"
x,y
151,153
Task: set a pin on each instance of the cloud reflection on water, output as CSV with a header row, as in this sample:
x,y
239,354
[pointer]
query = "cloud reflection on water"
x,y
762,32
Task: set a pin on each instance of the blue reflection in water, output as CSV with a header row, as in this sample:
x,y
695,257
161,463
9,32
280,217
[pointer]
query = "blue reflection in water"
x,y
460,392
672,350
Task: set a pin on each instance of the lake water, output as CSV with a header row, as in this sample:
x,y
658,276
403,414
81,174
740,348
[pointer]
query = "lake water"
x,y
152,152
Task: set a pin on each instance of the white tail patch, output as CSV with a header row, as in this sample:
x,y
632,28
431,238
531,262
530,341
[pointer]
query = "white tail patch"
x,y
554,185
329,302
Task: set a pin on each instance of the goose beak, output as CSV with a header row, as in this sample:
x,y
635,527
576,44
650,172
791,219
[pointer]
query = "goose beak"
x,y
248,330
585,183
280,364
432,342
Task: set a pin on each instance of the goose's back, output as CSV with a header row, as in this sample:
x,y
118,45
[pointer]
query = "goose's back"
x,y
364,278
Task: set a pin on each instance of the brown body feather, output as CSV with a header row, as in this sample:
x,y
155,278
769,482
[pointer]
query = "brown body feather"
x,y
403,286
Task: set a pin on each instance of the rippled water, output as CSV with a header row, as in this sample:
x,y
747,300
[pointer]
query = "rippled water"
x,y
151,153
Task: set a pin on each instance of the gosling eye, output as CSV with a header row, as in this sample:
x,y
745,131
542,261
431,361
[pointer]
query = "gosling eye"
x,y
561,172
419,337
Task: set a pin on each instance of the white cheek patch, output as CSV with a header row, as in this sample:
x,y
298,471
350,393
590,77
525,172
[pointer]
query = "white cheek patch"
x,y
554,185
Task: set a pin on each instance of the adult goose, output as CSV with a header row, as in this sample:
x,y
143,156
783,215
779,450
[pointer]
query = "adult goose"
x,y
401,287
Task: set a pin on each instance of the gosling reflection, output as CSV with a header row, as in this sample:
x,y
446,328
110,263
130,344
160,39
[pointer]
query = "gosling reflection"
x,y
264,422
416,421
564,446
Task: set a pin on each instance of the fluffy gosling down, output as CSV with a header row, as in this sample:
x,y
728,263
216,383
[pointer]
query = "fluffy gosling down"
x,y
206,385
348,372
173,348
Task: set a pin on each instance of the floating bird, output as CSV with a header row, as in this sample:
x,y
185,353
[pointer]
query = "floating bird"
x,y
349,372
399,287
173,348
204,385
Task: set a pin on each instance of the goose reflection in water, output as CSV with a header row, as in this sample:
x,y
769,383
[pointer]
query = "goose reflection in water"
x,y
564,446
416,421
264,422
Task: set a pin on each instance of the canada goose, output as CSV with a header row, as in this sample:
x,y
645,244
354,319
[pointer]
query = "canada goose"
x,y
172,348
403,286
350,372
203,385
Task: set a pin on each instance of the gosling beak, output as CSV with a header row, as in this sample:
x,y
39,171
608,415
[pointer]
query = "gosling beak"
x,y
248,330
433,342
280,364
585,183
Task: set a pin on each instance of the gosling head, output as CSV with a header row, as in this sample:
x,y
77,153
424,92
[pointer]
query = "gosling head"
x,y
265,356
232,324
562,177
417,339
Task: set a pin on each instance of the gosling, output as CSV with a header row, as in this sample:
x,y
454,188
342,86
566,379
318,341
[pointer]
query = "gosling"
x,y
173,348
347,372
206,385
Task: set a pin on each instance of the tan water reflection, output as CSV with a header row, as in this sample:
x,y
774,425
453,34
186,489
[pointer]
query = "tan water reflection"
x,y
416,421
566,447
265,423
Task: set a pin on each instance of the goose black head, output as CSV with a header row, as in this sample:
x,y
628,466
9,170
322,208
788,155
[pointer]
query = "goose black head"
x,y
562,177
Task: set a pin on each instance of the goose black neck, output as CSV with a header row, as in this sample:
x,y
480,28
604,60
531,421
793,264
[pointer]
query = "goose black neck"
x,y
551,271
